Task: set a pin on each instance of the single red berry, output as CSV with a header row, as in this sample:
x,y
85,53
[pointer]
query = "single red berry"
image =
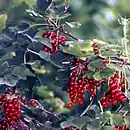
x,y
32,101
70,105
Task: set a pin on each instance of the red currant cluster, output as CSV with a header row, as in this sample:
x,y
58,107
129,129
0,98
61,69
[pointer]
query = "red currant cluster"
x,y
122,127
11,108
95,48
55,41
79,84
115,93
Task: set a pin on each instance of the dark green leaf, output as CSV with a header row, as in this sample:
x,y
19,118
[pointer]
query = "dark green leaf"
x,y
3,66
107,128
77,122
44,55
106,72
114,66
9,80
74,50
94,125
95,64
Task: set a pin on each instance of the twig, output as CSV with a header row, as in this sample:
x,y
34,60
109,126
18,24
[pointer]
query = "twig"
x,y
69,34
100,107
29,50
44,110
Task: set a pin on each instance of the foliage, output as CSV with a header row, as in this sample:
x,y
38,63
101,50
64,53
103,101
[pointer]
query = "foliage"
x,y
42,61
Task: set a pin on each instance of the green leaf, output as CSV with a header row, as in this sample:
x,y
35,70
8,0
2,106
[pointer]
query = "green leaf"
x,y
106,72
100,42
116,119
95,64
94,125
88,74
114,66
27,72
77,122
74,50
107,128
86,46
19,71
127,121
110,53
31,3
73,24
44,55
43,93
5,38
97,76
22,72
3,66
3,19
17,14
101,91
9,80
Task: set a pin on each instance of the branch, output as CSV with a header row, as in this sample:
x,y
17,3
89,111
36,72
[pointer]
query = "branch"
x,y
69,34
29,50
44,110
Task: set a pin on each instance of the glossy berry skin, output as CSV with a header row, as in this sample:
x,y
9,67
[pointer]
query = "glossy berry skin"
x,y
55,40
32,102
121,127
115,92
70,105
11,110
78,84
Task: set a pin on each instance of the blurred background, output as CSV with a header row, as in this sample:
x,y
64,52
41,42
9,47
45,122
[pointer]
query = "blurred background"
x,y
99,18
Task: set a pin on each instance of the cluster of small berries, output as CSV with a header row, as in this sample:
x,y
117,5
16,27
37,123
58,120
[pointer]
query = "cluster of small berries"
x,y
122,127
95,48
55,41
115,93
79,84
11,108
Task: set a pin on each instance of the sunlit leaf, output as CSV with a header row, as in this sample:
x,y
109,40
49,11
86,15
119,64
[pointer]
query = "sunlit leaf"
x,y
3,18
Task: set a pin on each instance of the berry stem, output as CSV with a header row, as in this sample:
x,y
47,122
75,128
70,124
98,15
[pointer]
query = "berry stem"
x,y
100,107
29,50
44,110
124,71
69,34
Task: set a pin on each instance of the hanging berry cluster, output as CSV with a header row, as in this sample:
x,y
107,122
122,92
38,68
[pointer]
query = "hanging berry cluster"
x,y
115,92
79,84
11,108
122,127
55,39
